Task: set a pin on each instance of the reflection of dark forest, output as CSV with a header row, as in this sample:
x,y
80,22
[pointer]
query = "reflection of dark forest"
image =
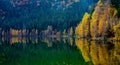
x,y
35,40
60,50
44,52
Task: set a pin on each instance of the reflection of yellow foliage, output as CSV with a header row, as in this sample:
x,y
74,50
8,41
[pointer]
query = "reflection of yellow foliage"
x,y
71,41
94,53
18,40
58,38
83,45
36,32
99,54
14,40
24,40
82,28
117,51
49,43
64,40
64,32
3,39
103,55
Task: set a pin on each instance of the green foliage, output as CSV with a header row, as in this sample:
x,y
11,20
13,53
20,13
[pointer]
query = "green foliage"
x,y
116,3
30,16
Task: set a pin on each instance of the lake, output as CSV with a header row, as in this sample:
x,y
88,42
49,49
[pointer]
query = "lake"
x,y
58,51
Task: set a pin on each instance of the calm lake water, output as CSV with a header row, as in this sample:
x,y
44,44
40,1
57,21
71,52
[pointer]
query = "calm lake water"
x,y
58,51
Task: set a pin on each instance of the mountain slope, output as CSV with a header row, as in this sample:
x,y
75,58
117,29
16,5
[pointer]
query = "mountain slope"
x,y
29,14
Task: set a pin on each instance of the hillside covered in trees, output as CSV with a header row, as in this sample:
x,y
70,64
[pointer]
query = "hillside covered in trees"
x,y
39,14
104,21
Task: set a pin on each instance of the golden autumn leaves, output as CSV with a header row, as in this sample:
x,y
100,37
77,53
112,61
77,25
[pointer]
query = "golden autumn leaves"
x,y
98,52
117,31
82,28
103,21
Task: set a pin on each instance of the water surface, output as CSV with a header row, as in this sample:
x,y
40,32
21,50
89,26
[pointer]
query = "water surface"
x,y
58,51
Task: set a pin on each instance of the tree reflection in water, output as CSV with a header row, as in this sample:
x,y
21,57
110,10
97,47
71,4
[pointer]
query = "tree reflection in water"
x,y
39,51
99,52
58,51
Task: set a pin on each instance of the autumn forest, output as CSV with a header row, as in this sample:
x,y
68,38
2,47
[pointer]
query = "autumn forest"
x,y
59,32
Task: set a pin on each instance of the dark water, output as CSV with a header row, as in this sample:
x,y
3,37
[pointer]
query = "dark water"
x,y
58,51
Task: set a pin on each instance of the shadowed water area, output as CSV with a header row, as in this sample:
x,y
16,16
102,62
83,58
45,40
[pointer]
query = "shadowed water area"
x,y
58,51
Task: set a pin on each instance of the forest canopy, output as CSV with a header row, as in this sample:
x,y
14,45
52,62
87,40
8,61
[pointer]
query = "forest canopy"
x,y
104,21
38,14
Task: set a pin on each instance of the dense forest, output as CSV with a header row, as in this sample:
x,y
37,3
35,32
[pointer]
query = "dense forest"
x,y
39,14
104,21
59,32
56,17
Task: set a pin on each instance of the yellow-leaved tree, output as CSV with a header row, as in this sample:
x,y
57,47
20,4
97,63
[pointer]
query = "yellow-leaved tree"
x,y
117,31
103,19
83,28
71,31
